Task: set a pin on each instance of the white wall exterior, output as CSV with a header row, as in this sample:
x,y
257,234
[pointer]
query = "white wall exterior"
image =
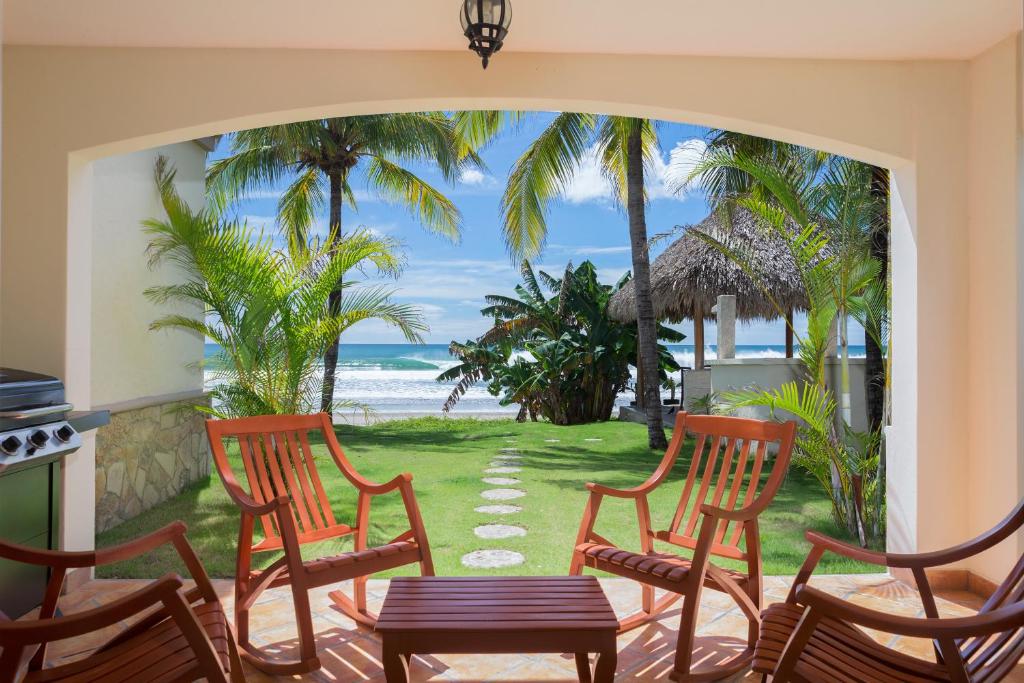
x,y
129,361
772,373
940,125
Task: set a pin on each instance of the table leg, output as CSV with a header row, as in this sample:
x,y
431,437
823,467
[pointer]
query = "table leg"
x,y
604,672
583,666
396,665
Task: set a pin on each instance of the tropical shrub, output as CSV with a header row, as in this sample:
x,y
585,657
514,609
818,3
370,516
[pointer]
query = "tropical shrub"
x,y
835,211
268,309
558,356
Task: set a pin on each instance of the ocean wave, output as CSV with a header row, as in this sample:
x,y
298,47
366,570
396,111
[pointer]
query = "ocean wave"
x,y
400,363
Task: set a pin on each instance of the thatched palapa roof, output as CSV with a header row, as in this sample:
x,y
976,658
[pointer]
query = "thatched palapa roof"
x,y
688,277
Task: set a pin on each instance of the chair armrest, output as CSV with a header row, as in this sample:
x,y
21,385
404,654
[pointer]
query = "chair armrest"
x,y
92,558
847,550
59,628
248,504
743,514
827,605
636,492
374,489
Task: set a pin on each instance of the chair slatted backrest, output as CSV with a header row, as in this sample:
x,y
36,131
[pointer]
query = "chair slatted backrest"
x,y
278,461
729,459
993,657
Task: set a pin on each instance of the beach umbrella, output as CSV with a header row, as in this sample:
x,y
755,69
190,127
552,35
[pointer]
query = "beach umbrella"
x,y
688,277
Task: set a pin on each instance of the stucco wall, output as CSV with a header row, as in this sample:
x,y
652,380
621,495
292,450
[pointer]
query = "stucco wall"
x,y
914,117
129,361
772,373
992,403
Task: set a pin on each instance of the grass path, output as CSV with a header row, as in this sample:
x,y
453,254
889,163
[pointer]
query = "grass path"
x,y
447,459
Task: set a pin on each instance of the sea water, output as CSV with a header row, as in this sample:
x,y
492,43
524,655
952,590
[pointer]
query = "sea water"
x,y
401,378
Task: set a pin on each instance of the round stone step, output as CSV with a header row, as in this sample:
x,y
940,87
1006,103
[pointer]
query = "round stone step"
x,y
500,481
502,494
498,531
552,440
498,509
492,559
503,470
592,439
508,450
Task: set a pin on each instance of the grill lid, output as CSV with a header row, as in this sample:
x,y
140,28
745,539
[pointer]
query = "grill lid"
x,y
23,390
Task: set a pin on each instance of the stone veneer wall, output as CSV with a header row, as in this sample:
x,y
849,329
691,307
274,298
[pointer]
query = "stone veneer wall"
x,y
146,455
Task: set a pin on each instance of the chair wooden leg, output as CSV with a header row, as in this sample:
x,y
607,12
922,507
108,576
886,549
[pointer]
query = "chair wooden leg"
x,y
684,643
576,564
355,607
307,662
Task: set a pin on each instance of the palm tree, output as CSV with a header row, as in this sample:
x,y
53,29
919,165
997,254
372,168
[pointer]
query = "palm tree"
x,y
623,146
318,157
270,312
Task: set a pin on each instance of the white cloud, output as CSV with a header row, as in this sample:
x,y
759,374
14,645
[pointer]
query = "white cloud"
x,y
589,183
593,251
474,176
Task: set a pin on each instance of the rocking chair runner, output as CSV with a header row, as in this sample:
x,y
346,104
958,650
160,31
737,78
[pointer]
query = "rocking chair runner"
x,y
722,486
814,636
289,499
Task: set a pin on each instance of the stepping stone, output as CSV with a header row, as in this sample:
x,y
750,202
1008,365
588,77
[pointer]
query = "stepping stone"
x,y
500,481
492,559
508,450
502,494
593,439
496,531
505,460
498,509
503,470
552,440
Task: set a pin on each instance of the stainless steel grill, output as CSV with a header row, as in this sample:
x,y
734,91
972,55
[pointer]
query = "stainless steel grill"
x,y
34,425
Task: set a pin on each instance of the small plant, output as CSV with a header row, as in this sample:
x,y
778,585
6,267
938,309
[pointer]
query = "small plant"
x,y
670,384
705,405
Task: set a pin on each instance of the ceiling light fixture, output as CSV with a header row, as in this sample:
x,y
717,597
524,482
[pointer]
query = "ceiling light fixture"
x,y
485,23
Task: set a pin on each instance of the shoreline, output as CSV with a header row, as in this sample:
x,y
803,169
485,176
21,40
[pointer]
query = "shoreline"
x,y
357,418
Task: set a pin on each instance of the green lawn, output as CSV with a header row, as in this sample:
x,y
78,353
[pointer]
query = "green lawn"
x,y
447,459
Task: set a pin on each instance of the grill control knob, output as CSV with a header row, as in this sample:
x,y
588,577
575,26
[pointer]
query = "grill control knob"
x,y
64,434
10,445
38,438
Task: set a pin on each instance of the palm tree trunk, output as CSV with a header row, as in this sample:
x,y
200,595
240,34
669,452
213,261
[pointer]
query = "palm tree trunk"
x,y
647,330
874,364
334,302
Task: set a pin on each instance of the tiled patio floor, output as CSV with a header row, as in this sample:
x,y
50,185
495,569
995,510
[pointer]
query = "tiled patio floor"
x,y
645,654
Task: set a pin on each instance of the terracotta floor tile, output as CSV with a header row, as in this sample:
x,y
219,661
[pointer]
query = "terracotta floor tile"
x,y
349,653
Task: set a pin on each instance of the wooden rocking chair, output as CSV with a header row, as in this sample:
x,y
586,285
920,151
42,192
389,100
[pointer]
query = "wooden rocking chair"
x,y
289,499
179,635
814,636
721,491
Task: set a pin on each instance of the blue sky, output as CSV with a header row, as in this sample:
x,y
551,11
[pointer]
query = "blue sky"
x,y
448,281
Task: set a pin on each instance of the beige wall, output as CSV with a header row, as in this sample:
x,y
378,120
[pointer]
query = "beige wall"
x,y
65,107
129,361
993,455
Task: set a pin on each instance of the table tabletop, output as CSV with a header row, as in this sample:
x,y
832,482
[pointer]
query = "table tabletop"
x,y
474,604
496,614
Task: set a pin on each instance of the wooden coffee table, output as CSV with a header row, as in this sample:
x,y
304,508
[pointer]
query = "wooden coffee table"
x,y
494,615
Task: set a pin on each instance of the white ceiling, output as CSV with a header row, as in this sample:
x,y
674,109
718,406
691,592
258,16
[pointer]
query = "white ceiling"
x,y
859,29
